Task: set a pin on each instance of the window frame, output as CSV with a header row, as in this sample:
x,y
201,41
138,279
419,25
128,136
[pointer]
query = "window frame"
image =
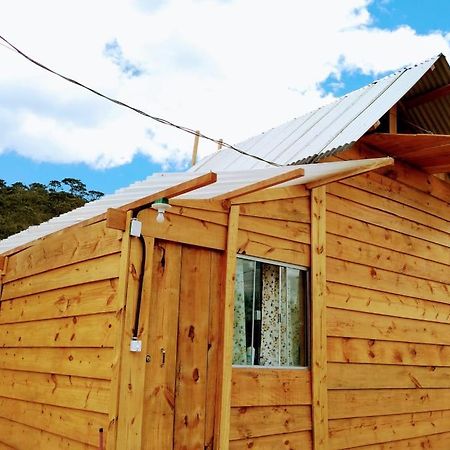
x,y
308,324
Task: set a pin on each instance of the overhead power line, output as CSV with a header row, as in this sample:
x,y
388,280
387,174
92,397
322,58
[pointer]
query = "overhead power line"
x,y
137,110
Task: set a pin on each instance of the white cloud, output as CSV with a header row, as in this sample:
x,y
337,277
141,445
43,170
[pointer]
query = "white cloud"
x,y
228,68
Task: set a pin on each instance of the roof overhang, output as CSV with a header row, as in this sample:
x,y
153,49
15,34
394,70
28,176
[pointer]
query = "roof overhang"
x,y
431,152
222,187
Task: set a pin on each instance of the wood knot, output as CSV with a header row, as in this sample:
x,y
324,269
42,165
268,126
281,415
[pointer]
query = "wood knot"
x,y
191,333
195,375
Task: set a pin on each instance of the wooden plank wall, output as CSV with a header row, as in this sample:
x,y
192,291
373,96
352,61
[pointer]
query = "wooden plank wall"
x,y
272,229
277,229
388,313
271,408
58,326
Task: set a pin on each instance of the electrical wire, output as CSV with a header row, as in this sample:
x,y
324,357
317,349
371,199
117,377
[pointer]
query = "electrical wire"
x,y
137,110
7,47
417,127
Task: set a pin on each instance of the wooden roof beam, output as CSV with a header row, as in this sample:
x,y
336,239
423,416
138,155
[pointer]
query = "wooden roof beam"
x,y
274,193
429,96
174,191
377,164
115,217
262,184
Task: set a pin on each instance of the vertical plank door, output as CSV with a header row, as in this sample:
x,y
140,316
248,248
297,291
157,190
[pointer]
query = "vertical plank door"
x,y
181,348
159,391
190,404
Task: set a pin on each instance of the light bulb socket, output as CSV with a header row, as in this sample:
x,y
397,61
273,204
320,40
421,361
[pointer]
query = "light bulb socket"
x,y
161,201
161,205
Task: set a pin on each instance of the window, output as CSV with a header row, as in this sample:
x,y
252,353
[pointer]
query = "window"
x,y
270,312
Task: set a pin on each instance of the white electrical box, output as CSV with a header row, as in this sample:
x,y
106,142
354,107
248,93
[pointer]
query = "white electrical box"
x,y
135,345
135,228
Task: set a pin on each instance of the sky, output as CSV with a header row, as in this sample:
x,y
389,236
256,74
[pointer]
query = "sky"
x,y
229,68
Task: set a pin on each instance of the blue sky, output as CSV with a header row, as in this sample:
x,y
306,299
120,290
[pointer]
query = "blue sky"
x,y
229,85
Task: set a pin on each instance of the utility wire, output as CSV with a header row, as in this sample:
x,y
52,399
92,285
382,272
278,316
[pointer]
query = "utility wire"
x,y
139,111
6,46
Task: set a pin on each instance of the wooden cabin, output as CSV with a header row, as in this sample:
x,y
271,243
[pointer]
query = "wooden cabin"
x,y
305,306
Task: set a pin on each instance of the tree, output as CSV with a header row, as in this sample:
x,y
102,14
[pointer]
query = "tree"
x,y
22,206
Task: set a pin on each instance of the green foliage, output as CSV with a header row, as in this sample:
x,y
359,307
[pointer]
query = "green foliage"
x,y
22,205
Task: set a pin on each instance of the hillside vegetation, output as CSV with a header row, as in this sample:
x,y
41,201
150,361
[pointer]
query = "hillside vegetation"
x,y
22,205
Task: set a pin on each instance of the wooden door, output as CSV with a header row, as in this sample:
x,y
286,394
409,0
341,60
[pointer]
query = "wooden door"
x,y
181,373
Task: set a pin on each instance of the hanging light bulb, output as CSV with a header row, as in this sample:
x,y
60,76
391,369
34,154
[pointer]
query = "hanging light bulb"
x,y
161,205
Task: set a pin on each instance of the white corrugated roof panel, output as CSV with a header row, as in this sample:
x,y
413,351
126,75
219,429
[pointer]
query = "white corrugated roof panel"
x,y
305,139
316,134
227,181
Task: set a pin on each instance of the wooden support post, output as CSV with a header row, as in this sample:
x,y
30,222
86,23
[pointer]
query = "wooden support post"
x,y
220,144
318,319
121,302
195,148
132,373
393,120
225,356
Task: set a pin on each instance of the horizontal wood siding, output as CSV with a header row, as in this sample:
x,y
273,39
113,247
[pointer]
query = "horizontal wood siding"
x,y
439,441
285,441
58,328
270,408
277,229
274,229
17,435
388,315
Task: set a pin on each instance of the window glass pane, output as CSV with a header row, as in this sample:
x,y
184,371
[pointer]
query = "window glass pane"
x,y
240,347
270,315
243,312
294,318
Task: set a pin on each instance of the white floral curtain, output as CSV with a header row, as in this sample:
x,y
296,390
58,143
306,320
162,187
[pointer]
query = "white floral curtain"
x,y
281,327
270,332
240,347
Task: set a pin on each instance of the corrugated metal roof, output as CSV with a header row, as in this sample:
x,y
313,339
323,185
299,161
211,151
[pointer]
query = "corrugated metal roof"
x,y
431,116
337,125
226,182
306,139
